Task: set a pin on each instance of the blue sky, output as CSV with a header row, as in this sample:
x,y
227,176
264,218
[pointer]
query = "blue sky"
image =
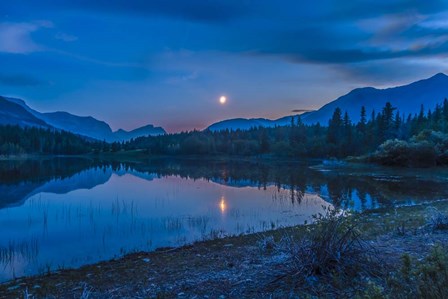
x,y
131,63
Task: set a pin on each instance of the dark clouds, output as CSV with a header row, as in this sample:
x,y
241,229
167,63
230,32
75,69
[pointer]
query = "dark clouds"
x,y
22,80
359,9
215,11
330,31
329,56
188,52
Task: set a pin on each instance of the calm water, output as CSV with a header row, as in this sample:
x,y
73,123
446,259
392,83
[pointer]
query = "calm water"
x,y
69,212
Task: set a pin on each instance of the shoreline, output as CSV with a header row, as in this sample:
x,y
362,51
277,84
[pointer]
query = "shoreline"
x,y
233,267
138,156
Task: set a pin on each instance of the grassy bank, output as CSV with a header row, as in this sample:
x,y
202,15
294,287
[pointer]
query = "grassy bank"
x,y
371,255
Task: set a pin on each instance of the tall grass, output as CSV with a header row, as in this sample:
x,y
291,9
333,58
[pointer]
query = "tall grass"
x,y
28,250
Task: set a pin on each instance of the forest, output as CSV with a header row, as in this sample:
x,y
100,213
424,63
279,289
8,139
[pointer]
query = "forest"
x,y
386,137
16,140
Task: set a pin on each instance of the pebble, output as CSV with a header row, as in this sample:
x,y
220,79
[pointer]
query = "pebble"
x,y
146,260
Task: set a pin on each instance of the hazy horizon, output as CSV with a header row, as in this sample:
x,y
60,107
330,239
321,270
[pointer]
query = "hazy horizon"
x,y
136,63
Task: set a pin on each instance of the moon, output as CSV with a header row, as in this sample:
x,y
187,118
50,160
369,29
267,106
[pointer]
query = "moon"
x,y
222,100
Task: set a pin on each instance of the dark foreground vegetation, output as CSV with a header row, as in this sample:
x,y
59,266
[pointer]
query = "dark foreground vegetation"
x,y
386,137
374,255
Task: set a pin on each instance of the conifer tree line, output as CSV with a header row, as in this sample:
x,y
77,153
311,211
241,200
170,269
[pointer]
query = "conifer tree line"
x,y
340,139
16,140
389,136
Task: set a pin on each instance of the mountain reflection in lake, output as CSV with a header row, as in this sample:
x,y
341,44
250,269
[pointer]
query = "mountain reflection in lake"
x,y
69,212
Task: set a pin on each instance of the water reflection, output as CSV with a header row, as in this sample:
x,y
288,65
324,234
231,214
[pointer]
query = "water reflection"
x,y
69,212
223,205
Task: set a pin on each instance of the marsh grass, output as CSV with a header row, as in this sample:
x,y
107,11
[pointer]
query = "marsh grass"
x,y
28,250
172,223
199,222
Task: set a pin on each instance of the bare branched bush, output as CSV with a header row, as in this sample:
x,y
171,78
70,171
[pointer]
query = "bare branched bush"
x,y
437,220
266,243
27,295
86,292
332,251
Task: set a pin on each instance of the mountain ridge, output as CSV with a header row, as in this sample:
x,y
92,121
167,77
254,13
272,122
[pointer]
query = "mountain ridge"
x,y
406,98
82,125
14,114
248,123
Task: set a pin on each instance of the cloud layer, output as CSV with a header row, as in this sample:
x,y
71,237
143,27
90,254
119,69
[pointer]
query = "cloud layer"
x,y
174,58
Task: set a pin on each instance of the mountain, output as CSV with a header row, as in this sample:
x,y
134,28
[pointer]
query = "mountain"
x,y
408,99
14,114
82,125
139,132
246,124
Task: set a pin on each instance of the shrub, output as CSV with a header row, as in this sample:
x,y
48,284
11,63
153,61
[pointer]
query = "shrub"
x,y
419,153
331,252
437,220
427,278
266,244
392,152
432,275
422,154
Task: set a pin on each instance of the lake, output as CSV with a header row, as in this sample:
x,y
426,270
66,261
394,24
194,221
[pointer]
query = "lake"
x,y
68,212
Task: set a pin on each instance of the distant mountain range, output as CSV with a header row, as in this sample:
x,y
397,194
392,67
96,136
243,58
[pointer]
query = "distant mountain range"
x,y
408,99
17,112
246,124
